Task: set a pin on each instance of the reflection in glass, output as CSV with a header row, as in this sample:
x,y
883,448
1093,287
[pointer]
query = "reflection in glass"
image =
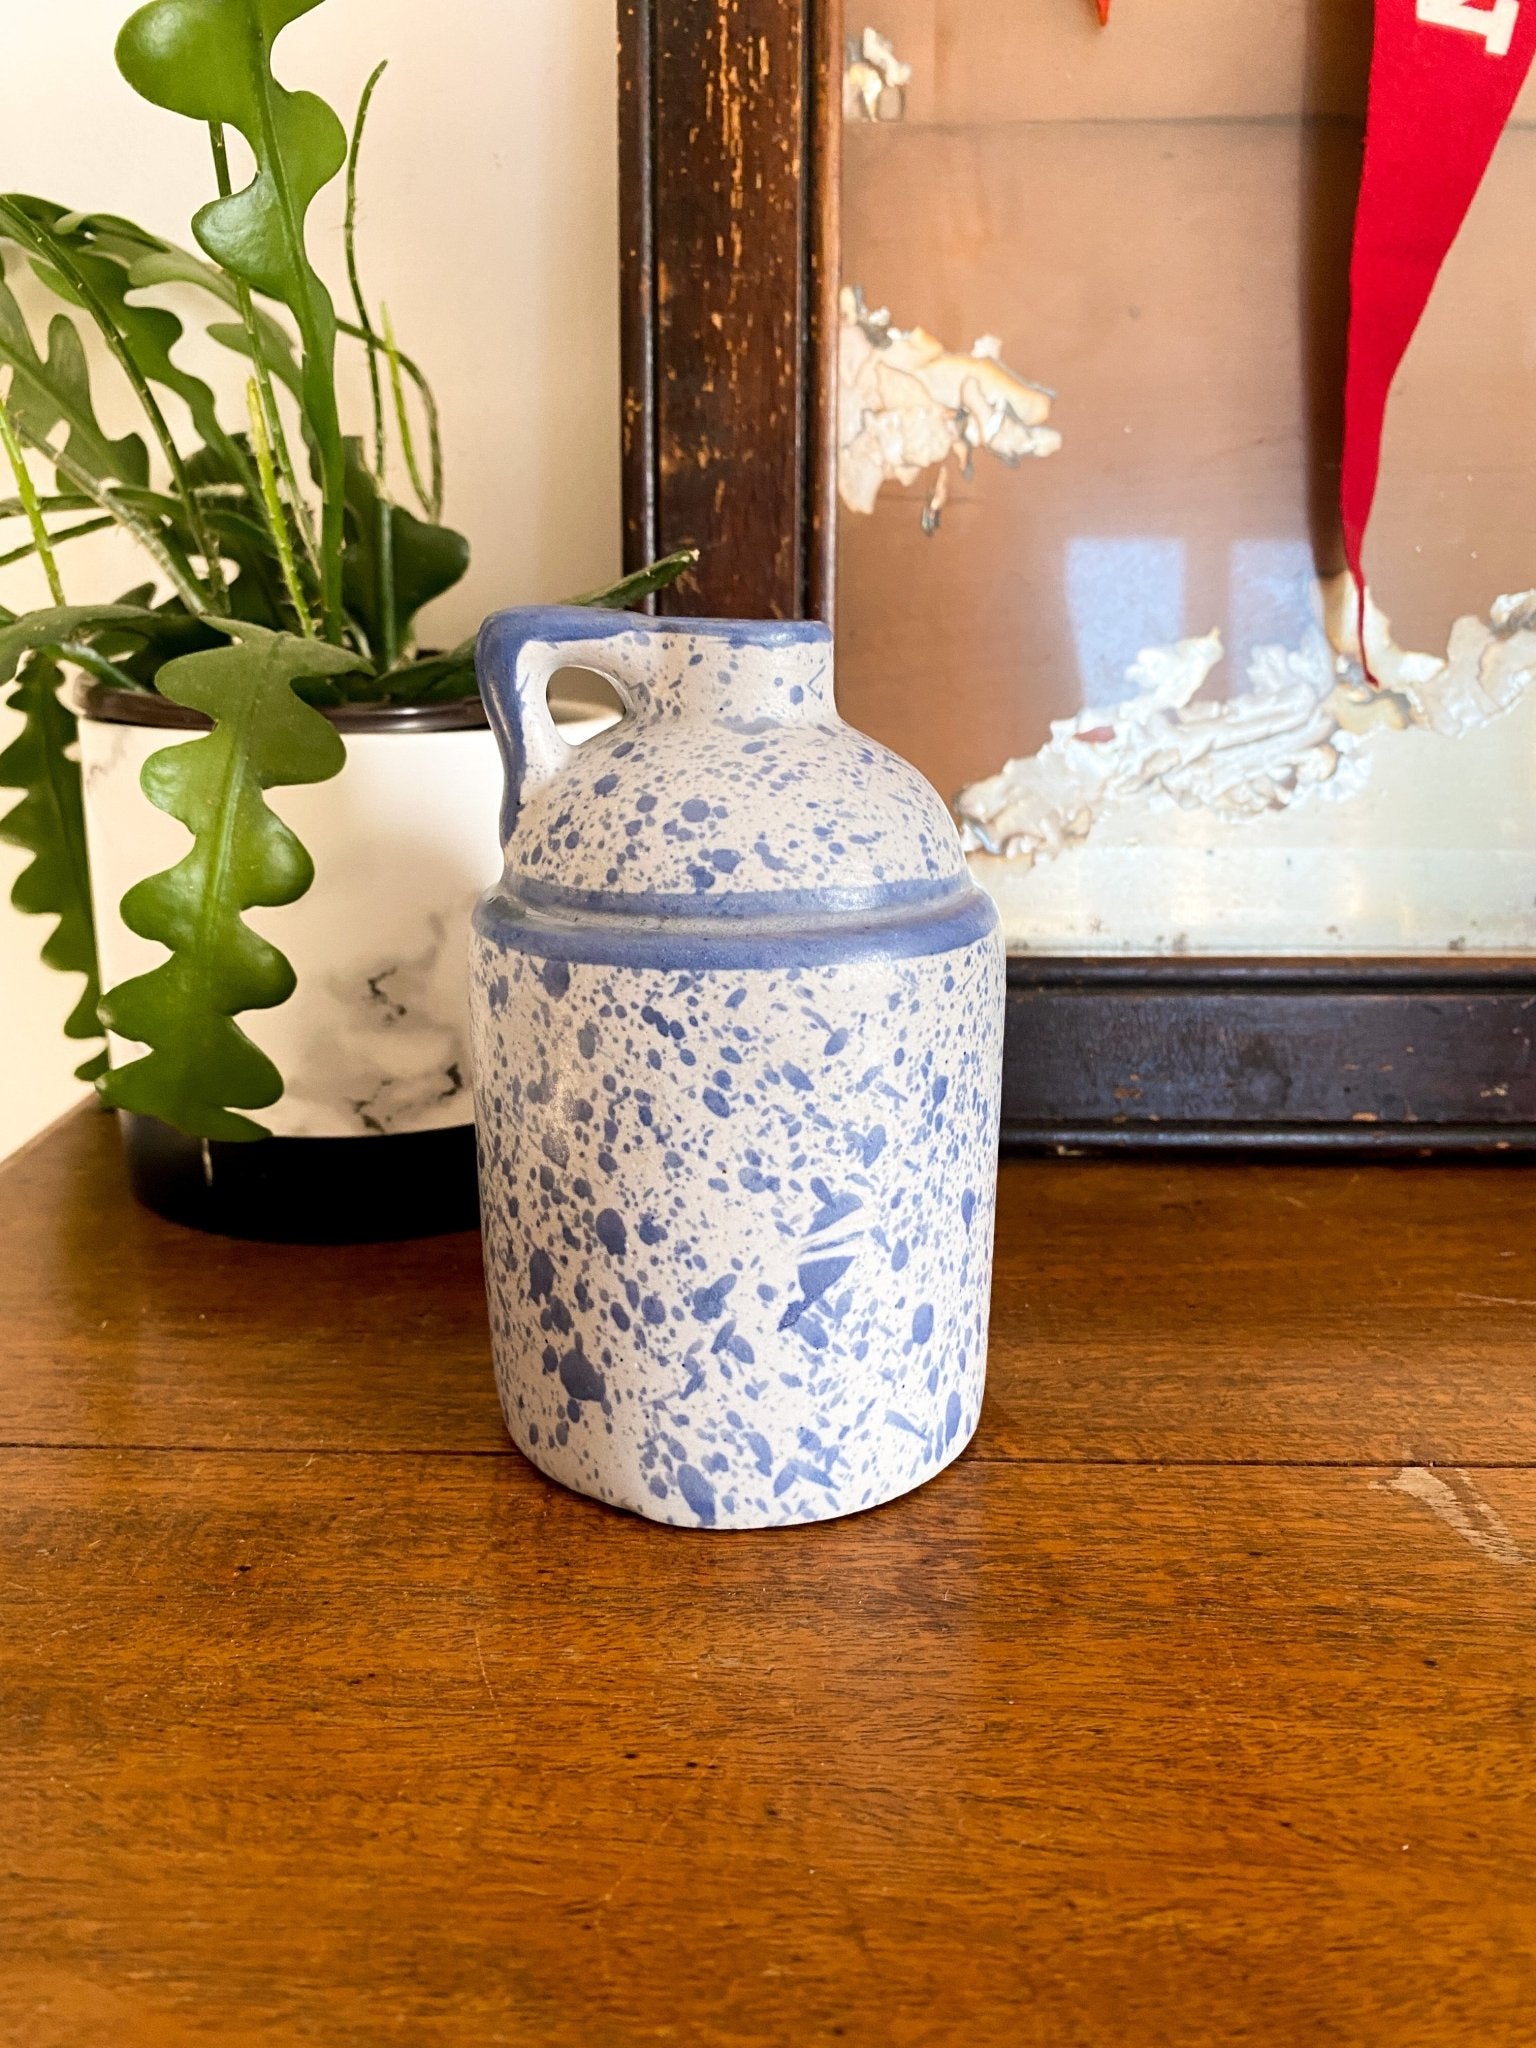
x,y
1132,664
1123,595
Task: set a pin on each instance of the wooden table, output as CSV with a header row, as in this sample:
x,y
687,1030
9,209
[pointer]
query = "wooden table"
x,y
1196,1704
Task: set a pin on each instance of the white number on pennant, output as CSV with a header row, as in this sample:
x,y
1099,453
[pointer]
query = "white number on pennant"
x,y
1495,24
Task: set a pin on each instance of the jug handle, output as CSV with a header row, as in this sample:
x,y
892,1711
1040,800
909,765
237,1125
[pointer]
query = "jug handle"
x,y
516,654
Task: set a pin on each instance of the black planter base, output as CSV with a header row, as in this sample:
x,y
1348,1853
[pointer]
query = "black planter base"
x,y
306,1190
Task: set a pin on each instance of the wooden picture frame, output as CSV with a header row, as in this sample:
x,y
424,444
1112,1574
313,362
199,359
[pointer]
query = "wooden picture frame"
x,y
730,131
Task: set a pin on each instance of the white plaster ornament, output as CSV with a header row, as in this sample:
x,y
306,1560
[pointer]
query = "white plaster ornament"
x,y
907,405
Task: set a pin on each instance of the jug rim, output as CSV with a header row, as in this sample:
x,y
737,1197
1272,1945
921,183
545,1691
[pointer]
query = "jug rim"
x,y
598,624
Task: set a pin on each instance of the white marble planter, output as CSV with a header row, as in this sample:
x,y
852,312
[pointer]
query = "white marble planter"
x,y
373,1041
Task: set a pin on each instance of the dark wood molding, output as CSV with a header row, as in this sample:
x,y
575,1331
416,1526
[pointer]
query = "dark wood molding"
x,y
637,283
731,124
1282,1054
824,272
728,227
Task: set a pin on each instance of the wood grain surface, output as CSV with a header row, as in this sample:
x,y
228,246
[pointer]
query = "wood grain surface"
x,y
1178,1311
1195,1705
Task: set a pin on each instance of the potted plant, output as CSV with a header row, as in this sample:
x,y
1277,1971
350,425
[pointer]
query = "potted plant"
x,y
270,647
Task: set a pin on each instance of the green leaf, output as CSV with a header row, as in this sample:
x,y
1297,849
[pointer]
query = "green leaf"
x,y
441,677
96,287
630,590
149,332
388,574
376,346
201,1068
47,389
49,823
126,642
47,501
211,61
436,679
150,262
278,358
230,519
34,631
256,593
56,538
349,245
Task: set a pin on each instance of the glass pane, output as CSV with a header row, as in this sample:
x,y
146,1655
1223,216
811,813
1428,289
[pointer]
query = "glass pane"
x,y
1106,615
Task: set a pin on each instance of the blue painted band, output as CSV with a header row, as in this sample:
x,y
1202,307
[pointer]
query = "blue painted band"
x,y
701,944
802,907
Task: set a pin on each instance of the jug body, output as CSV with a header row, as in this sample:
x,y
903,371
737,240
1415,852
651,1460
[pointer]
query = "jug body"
x,y
737,1031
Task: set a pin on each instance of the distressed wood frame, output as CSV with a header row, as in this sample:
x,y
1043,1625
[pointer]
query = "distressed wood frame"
x,y
730,122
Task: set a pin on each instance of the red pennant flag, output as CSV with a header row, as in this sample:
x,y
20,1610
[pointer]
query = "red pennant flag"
x,y
1444,76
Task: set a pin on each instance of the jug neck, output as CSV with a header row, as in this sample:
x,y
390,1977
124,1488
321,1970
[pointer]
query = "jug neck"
x,y
726,670
746,676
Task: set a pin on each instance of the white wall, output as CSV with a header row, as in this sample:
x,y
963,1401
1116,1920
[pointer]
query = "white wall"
x,y
488,223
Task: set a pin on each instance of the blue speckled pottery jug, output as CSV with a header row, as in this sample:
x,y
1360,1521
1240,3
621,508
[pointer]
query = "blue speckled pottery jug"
x,y
737,1030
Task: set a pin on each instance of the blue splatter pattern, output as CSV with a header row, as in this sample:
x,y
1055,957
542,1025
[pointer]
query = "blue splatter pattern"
x,y
738,1164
